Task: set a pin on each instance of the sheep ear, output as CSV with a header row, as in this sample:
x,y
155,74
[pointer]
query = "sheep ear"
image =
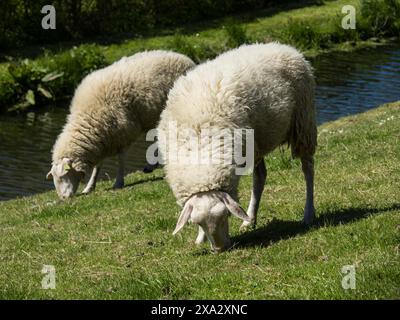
x,y
49,175
66,165
78,168
234,207
184,217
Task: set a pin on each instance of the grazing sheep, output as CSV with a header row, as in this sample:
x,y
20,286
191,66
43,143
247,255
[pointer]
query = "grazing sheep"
x,y
265,87
110,109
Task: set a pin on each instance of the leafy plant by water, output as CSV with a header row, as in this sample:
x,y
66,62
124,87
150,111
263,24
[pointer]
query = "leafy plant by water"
x,y
302,34
32,83
379,18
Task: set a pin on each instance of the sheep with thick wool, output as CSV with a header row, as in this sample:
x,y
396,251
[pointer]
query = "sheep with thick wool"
x,y
268,88
110,109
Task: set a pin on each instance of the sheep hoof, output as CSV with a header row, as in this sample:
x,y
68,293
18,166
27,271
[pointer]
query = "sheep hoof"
x,y
118,185
200,241
247,226
309,217
87,190
148,168
308,221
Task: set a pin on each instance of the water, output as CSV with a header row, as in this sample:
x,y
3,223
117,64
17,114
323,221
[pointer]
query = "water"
x,y
25,153
350,83
347,83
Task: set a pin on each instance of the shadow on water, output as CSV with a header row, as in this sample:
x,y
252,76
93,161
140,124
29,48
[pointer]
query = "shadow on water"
x,y
278,230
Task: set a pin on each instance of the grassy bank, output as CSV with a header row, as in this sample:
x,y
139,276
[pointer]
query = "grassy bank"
x,y
313,29
118,244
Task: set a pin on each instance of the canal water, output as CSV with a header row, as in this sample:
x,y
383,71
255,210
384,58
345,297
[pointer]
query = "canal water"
x,y
347,83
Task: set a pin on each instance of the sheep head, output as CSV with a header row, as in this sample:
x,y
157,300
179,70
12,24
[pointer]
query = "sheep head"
x,y
210,210
66,177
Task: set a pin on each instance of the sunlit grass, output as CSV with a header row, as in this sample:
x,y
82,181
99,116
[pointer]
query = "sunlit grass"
x,y
118,244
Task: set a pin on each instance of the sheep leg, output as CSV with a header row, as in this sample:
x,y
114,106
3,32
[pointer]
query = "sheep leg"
x,y
91,185
119,182
201,237
151,167
308,170
259,177
148,168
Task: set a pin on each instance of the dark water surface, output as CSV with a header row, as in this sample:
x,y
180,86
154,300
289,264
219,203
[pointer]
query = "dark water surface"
x,y
347,83
350,83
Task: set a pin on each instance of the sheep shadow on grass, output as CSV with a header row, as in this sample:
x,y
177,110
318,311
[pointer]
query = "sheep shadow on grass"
x,y
141,181
278,229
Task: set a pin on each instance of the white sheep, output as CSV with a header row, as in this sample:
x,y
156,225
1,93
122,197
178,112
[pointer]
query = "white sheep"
x,y
265,87
110,109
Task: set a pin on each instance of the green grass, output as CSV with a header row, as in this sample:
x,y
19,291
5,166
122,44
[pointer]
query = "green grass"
x,y
322,22
118,244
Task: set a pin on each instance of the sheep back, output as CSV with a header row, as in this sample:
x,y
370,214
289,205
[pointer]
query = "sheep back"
x,y
113,105
265,87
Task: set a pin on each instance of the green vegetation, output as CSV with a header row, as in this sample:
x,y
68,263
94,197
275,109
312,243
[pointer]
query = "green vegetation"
x,y
313,29
380,18
235,34
118,244
80,19
375,19
36,82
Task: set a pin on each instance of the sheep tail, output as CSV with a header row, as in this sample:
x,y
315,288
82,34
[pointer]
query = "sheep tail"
x,y
303,131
